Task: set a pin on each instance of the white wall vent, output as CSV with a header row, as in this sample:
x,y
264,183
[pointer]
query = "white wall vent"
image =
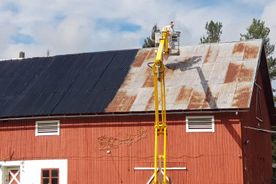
x,y
47,127
200,124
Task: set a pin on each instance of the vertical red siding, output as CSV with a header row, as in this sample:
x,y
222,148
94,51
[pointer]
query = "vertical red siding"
x,y
257,146
209,157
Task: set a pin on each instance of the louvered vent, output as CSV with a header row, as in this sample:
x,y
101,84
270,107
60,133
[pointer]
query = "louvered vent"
x,y
47,128
200,124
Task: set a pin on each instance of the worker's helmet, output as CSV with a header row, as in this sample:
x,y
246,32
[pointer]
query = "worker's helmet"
x,y
172,23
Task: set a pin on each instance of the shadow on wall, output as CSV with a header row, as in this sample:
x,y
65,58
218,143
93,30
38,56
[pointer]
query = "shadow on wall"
x,y
233,132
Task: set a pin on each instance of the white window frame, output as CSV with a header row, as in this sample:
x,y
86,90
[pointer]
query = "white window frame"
x,y
200,130
47,134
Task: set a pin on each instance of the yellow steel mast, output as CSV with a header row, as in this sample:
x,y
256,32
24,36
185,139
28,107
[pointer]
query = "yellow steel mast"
x,y
160,125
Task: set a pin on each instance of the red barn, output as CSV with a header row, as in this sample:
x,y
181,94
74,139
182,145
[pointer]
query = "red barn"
x,y
88,118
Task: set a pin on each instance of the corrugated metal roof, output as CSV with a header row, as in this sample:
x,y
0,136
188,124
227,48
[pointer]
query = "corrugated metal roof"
x,y
208,76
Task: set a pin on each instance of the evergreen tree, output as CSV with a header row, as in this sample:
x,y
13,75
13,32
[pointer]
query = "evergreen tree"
x,y
150,41
271,63
213,30
258,30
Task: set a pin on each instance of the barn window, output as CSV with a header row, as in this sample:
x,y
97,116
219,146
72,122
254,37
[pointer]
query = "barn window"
x,y
50,176
200,124
47,127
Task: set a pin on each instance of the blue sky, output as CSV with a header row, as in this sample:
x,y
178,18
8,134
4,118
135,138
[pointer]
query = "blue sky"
x,y
119,25
18,38
70,26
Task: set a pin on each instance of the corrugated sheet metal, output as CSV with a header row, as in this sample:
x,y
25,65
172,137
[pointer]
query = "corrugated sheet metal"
x,y
208,76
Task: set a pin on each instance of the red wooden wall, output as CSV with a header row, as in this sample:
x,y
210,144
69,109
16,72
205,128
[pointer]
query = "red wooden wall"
x,y
209,157
257,148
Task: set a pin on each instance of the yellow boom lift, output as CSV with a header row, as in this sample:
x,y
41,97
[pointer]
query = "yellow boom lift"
x,y
160,125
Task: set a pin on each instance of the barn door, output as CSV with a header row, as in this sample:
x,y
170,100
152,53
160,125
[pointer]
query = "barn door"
x,y
14,175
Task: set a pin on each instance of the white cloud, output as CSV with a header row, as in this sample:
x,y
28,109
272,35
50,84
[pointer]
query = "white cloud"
x,y
268,16
69,26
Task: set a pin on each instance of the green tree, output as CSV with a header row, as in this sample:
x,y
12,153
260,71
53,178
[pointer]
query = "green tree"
x,y
271,63
150,41
213,30
258,30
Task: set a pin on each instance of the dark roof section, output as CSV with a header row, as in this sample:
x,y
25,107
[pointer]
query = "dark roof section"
x,y
67,84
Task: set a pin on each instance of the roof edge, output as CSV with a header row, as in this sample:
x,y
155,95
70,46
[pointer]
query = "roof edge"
x,y
71,54
140,113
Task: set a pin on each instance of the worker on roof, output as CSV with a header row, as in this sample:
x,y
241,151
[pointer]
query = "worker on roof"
x,y
170,29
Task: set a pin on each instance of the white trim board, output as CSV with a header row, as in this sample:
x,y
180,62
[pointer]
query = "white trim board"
x,y
152,168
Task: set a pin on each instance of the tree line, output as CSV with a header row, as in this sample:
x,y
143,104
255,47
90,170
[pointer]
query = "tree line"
x,y
256,30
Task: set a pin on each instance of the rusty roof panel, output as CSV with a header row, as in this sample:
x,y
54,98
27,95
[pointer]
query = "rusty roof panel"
x,y
232,73
250,52
242,95
123,101
238,49
218,72
212,53
141,56
143,100
207,76
183,97
247,72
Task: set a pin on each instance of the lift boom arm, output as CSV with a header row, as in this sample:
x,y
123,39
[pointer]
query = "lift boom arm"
x,y
160,126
